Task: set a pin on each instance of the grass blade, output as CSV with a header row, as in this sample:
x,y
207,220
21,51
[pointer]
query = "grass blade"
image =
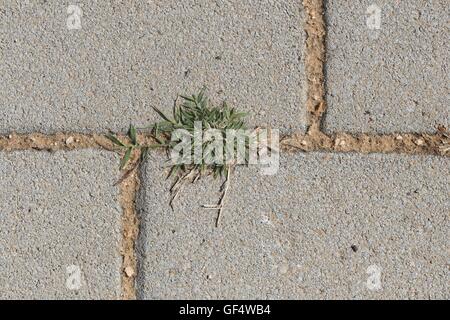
x,y
162,115
133,135
125,158
114,140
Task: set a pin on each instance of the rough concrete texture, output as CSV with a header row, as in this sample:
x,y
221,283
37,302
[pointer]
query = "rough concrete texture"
x,y
60,218
392,79
126,58
320,228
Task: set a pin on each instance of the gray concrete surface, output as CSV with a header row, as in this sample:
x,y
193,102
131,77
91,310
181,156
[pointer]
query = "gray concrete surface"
x,y
392,79
60,225
126,58
323,227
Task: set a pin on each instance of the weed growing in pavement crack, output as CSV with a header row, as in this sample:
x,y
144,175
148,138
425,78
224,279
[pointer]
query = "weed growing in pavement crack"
x,y
128,149
132,134
195,110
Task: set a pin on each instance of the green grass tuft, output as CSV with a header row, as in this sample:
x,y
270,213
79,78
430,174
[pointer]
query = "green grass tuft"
x,y
197,108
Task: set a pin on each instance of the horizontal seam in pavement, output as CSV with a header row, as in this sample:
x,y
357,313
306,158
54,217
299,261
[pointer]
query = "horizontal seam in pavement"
x,y
409,143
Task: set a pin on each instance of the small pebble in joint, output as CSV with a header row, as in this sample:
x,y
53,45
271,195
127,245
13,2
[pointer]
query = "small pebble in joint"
x,y
399,137
129,271
339,142
420,142
69,140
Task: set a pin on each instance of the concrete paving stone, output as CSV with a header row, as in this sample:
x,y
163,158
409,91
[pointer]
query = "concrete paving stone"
x,y
126,58
392,79
325,226
60,225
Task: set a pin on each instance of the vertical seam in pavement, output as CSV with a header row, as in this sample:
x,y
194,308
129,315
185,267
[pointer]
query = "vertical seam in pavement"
x,y
129,188
315,59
